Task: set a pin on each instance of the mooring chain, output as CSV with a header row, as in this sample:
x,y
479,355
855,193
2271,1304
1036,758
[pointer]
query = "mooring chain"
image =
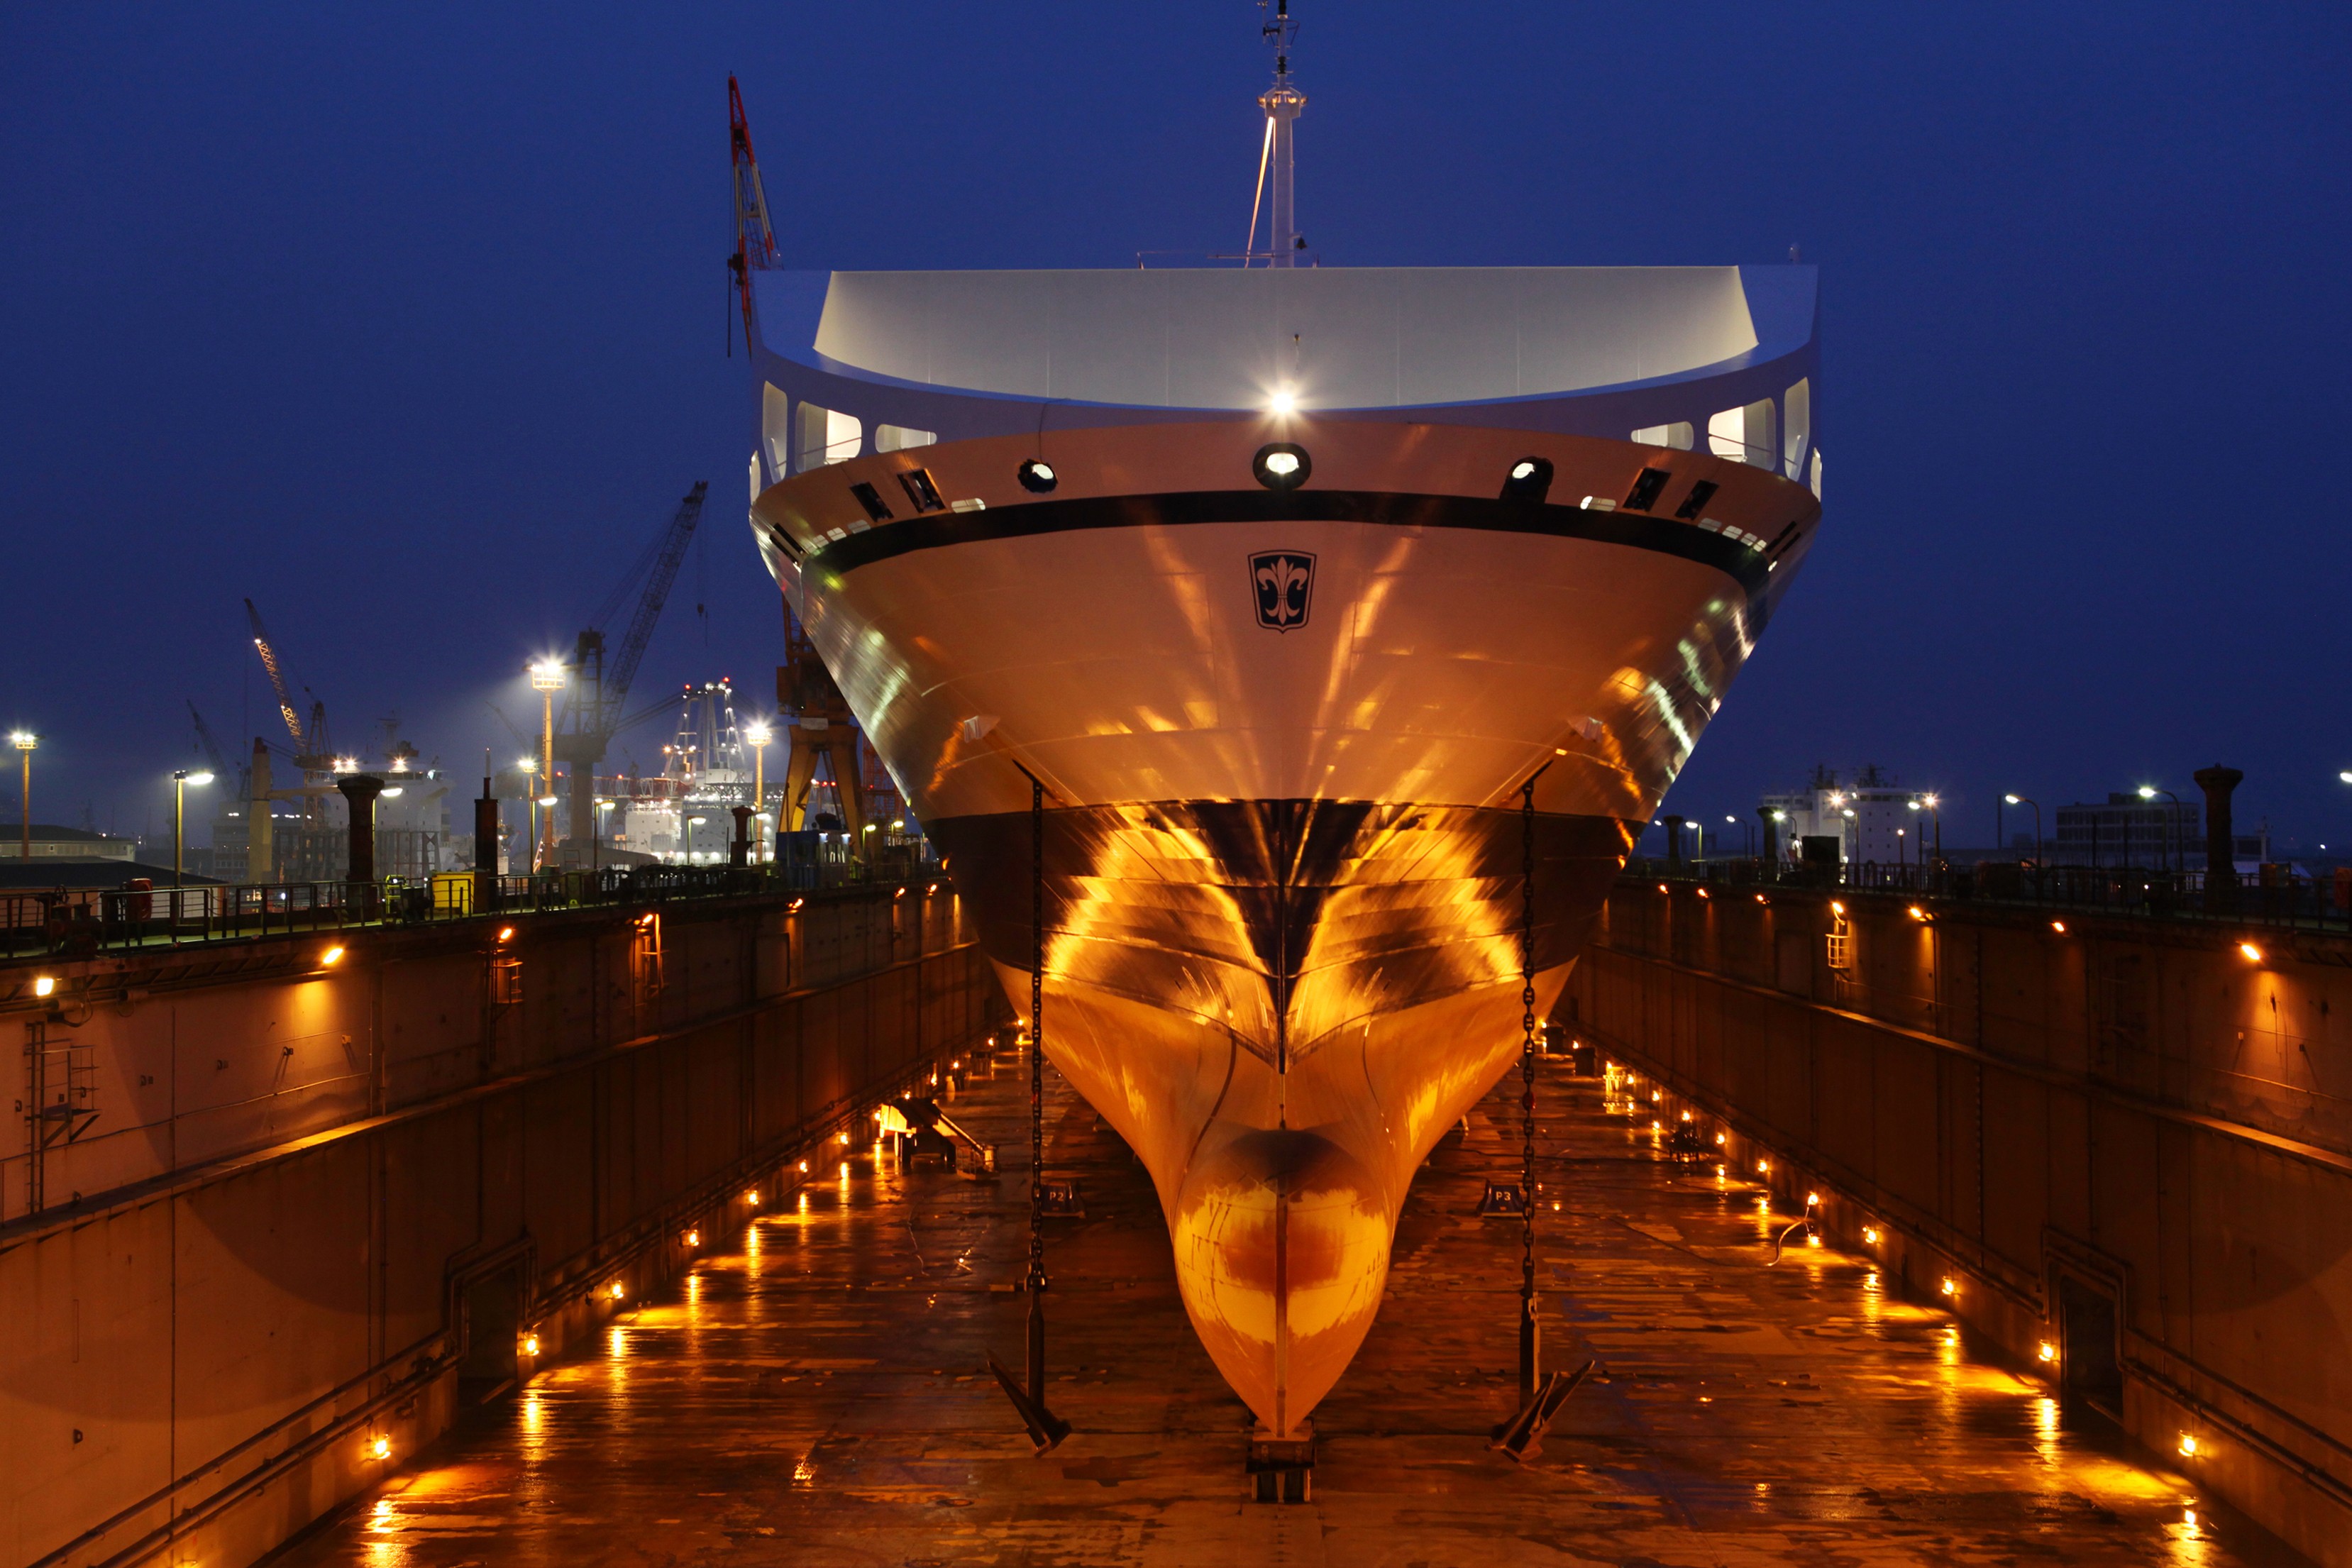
x,y
1528,1050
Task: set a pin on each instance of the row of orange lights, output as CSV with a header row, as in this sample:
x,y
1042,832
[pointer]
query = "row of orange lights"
x,y
378,1445
2252,953
1948,1285
45,985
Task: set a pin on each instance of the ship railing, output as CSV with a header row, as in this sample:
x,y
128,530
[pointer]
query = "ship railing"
x,y
2273,895
81,921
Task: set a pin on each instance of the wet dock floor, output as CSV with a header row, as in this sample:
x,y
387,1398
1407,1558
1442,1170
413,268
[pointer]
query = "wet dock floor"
x,y
815,1392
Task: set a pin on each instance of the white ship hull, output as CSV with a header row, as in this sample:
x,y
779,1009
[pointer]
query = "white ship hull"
x,y
1285,849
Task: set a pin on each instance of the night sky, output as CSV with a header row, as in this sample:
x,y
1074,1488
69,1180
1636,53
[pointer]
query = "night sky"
x,y
410,323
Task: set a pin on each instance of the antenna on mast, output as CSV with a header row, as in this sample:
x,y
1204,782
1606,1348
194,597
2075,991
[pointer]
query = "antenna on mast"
x,y
1282,104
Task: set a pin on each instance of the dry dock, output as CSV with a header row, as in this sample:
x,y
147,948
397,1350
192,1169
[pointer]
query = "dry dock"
x,y
813,1390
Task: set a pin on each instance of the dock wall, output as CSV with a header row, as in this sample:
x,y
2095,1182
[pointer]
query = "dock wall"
x,y
2126,1139
299,1214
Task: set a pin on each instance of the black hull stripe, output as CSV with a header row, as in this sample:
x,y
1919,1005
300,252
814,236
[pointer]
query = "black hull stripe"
x,y
935,530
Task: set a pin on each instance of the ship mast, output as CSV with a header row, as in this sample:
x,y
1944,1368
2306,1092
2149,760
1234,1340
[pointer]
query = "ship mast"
x,y
1282,104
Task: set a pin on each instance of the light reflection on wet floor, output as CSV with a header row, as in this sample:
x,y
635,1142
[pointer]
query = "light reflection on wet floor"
x,y
815,1392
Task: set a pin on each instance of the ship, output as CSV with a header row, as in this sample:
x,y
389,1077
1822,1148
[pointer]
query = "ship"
x,y
1285,659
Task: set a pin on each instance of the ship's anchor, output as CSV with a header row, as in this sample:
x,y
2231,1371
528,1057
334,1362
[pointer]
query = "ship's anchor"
x,y
1046,1430
1541,1394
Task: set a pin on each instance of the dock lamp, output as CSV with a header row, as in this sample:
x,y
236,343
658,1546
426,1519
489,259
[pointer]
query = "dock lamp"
x,y
760,736
547,679
180,779
2150,791
2021,800
25,741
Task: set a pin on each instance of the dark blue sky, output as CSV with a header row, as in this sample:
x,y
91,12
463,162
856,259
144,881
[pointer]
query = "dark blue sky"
x,y
408,323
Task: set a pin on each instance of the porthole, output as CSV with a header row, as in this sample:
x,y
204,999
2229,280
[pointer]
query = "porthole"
x,y
1529,479
1281,465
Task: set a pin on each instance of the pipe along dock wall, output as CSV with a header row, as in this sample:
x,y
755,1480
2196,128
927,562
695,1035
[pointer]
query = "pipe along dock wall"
x,y
2128,1140
321,1208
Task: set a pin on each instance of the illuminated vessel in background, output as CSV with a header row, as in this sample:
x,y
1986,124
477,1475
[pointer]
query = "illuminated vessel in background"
x,y
1282,581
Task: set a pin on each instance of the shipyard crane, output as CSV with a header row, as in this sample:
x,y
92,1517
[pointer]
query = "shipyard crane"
x,y
591,714
211,749
805,687
311,752
755,239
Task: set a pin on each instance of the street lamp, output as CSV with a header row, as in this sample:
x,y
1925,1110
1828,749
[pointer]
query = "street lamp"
x,y
547,679
180,779
25,741
2021,800
597,850
1746,828
691,824
2150,791
759,736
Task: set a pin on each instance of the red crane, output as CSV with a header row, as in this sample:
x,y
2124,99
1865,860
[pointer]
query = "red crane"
x,y
755,241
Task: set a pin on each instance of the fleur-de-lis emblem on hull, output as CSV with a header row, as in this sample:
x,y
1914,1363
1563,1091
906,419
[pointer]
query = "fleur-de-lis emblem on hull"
x,y
1283,579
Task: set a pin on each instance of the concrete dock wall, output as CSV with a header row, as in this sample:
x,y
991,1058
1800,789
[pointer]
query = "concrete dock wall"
x,y
298,1214
2126,1139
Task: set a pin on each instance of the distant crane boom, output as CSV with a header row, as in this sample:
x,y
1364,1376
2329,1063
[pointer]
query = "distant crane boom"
x,y
593,707
755,238
674,542
204,740
276,676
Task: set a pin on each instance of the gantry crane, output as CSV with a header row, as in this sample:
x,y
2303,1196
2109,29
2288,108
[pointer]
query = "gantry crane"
x,y
592,710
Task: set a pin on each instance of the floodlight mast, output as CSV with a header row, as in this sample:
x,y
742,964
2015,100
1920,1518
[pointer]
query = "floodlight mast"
x,y
1282,104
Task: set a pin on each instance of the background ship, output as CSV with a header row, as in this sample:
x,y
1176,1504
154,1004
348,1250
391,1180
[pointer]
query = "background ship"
x,y
1279,585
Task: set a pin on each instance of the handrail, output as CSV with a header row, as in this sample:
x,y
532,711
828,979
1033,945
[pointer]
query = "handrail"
x,y
2135,891
75,922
